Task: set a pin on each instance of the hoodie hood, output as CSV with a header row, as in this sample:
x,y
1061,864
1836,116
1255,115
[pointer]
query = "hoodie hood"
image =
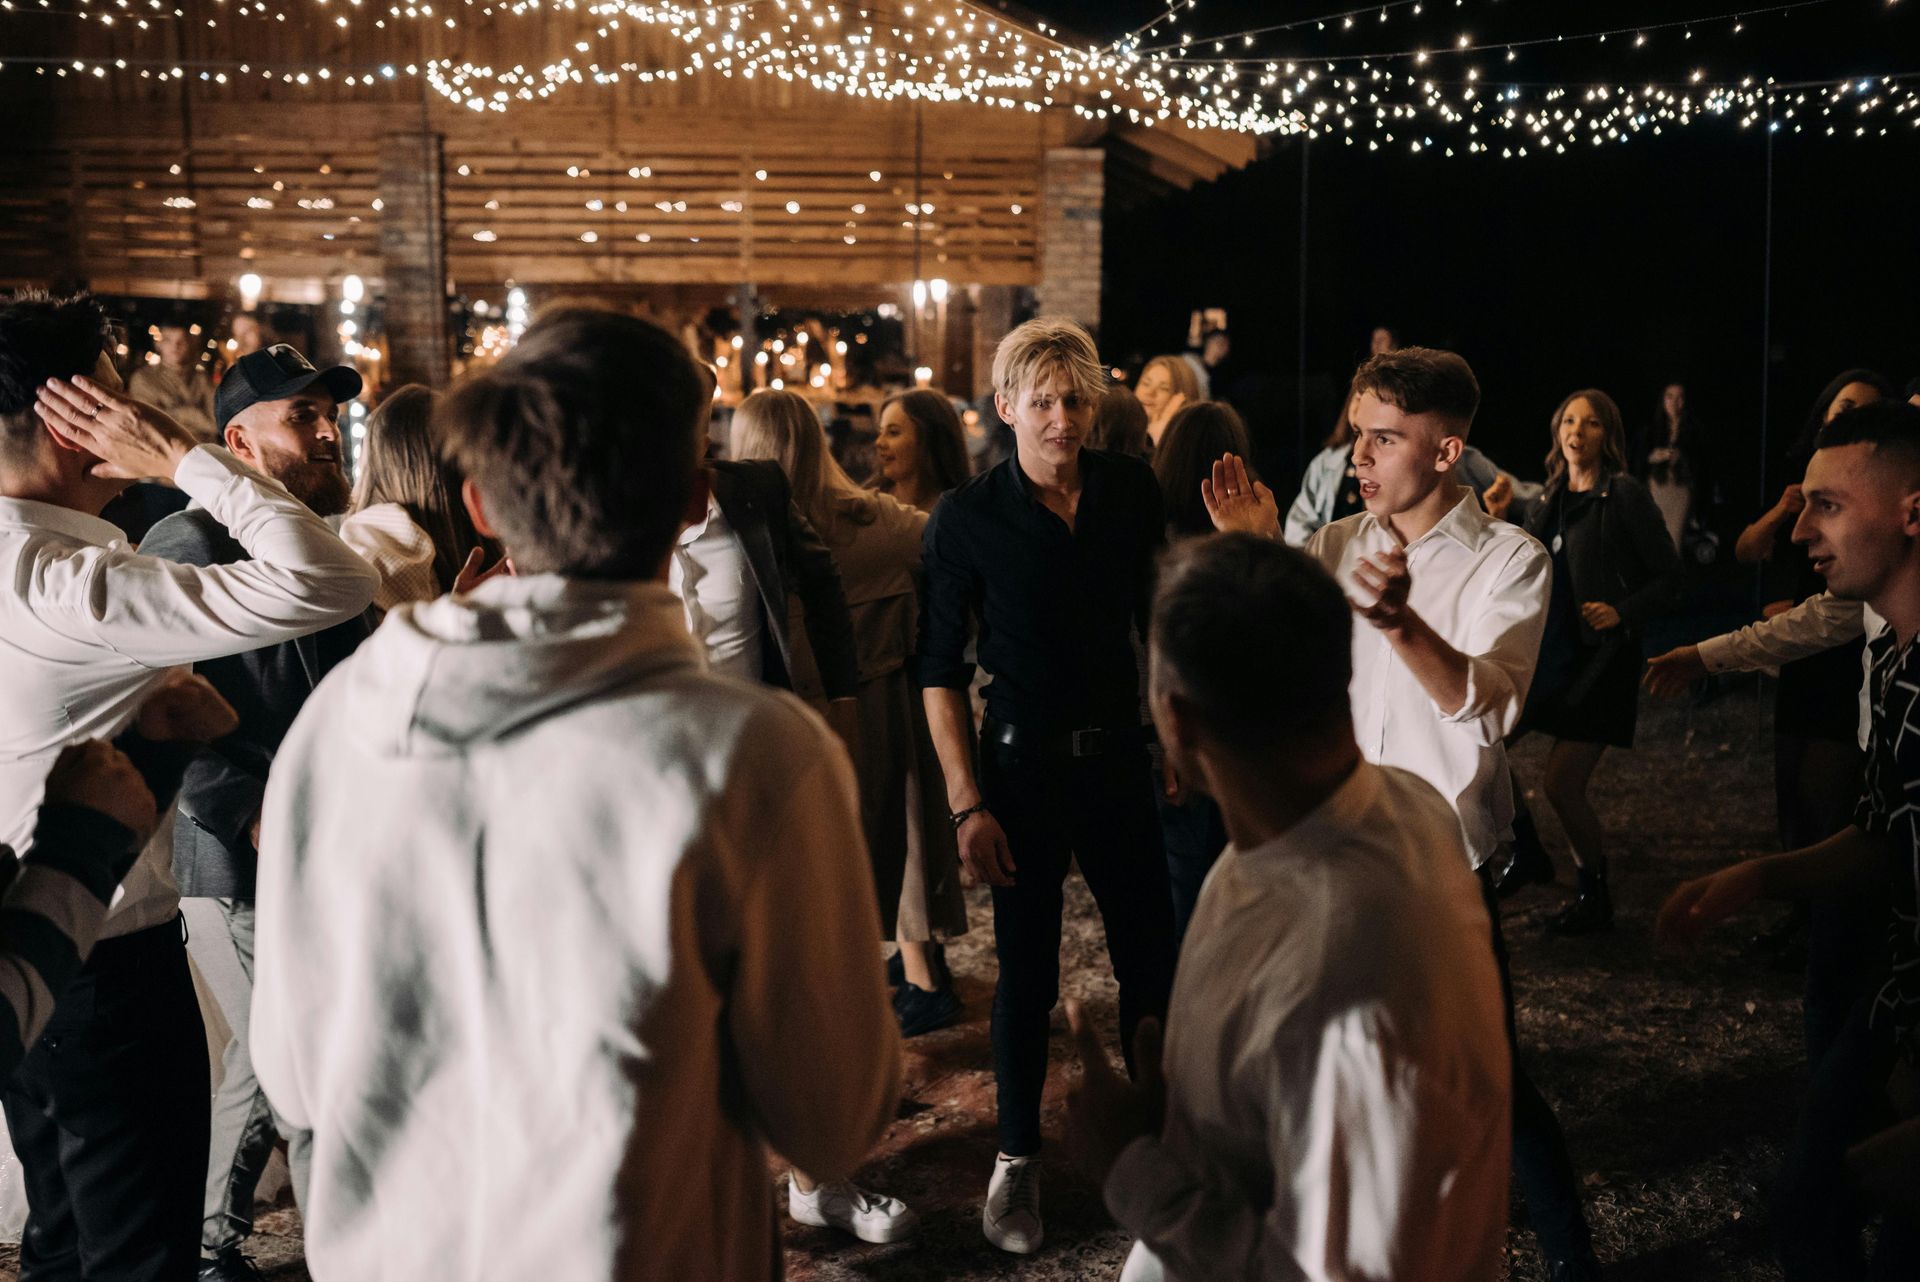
x,y
441,675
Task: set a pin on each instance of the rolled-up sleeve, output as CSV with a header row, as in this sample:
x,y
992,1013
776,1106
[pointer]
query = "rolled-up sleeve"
x,y
948,602
1502,644
1818,623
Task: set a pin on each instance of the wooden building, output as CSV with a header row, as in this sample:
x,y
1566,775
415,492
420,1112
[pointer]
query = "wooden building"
x,y
564,148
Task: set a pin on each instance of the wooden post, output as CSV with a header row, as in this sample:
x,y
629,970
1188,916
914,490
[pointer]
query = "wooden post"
x,y
1073,187
413,250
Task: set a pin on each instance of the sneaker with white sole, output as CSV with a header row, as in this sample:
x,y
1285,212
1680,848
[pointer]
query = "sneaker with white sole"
x,y
842,1204
1011,1217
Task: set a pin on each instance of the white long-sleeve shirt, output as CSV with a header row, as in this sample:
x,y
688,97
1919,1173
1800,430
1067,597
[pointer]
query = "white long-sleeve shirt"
x,y
88,627
1336,1061
1482,585
1818,623
557,934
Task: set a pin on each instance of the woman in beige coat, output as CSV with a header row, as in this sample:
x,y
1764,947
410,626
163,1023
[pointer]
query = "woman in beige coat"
x,y
875,541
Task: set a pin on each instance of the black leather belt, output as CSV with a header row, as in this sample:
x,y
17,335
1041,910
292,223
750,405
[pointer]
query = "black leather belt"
x,y
1092,741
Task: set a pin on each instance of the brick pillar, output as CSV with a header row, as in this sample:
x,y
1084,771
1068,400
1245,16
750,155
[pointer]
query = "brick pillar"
x,y
992,318
1072,188
413,250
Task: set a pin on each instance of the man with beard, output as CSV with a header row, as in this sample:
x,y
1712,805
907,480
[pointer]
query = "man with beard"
x,y
280,416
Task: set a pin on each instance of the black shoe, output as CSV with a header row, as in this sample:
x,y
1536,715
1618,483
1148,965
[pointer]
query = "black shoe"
x,y
1585,1268
936,962
1590,913
1527,865
920,1011
229,1266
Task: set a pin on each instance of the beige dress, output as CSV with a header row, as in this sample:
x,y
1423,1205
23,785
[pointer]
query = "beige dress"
x,y
875,542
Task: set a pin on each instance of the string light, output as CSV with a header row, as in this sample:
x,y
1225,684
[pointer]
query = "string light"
x,y
953,51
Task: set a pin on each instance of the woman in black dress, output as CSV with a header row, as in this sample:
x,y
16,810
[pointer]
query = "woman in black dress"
x,y
1614,567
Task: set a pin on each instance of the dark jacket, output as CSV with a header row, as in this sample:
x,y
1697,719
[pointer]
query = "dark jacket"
x,y
213,854
1625,558
786,556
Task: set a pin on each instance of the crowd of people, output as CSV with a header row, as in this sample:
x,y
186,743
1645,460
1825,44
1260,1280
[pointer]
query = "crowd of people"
x,y
554,806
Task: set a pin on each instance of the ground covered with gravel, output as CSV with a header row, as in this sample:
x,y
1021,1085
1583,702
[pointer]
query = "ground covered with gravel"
x,y
1674,1074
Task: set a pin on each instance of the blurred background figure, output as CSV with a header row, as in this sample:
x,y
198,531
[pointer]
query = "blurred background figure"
x,y
179,384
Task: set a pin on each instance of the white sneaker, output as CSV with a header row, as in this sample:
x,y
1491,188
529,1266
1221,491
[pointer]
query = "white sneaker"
x,y
842,1204
1011,1217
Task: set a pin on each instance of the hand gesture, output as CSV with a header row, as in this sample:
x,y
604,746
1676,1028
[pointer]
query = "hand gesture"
x,y
1237,503
1705,902
1387,578
1106,1112
187,709
1671,674
130,438
1792,500
471,574
984,852
1499,497
99,776
1600,616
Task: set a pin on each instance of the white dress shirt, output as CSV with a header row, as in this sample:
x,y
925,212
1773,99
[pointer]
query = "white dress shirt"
x,y
1336,1061
714,581
1482,585
88,628
1818,623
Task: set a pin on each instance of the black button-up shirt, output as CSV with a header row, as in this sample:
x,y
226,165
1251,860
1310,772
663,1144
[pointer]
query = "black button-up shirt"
x,y
1887,808
1054,607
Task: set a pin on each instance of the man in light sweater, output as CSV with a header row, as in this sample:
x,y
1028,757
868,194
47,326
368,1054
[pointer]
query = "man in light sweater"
x,y
109,1110
547,913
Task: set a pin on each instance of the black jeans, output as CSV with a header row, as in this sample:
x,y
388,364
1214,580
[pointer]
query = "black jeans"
x,y
1055,809
109,1117
1817,1215
1194,836
1540,1164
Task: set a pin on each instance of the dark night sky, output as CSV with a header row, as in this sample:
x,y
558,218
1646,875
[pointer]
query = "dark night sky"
x,y
1619,267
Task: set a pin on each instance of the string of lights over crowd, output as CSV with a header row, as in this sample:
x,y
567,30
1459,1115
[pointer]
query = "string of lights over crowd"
x,y
1418,97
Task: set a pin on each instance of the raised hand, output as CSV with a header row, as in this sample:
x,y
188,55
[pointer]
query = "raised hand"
x,y
97,775
471,574
1499,497
1237,503
1705,902
1672,674
1106,1112
187,709
1792,500
130,438
1390,582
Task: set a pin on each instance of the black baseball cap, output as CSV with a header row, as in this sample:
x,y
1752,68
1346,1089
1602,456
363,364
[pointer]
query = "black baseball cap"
x,y
273,374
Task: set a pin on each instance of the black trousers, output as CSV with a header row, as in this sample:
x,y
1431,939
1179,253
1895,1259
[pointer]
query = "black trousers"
x,y
1540,1164
1055,809
109,1114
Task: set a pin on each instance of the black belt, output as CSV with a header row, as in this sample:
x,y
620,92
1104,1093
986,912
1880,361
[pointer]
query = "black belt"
x,y
1092,741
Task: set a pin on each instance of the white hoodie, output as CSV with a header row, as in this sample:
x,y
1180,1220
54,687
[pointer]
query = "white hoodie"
x,y
555,929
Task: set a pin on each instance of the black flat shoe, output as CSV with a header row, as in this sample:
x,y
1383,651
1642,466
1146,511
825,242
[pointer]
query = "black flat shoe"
x,y
920,1011
1590,913
1528,865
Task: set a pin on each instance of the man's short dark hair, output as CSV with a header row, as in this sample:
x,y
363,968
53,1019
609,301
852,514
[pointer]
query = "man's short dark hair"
x,y
1892,428
583,442
1422,380
43,337
1256,637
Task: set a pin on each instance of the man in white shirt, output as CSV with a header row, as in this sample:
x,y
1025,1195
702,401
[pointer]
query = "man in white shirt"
x,y
1336,1068
1456,603
109,1112
558,931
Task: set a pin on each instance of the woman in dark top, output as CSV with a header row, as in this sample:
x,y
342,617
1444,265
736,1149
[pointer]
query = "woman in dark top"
x,y
1672,457
1614,568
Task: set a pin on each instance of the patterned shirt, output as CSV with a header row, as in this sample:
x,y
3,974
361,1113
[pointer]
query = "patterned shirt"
x,y
1890,805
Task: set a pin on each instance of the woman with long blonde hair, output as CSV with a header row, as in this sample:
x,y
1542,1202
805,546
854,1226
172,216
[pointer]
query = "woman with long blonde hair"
x,y
1165,385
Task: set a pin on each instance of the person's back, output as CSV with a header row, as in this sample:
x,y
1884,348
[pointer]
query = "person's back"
x,y
1346,957
547,911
